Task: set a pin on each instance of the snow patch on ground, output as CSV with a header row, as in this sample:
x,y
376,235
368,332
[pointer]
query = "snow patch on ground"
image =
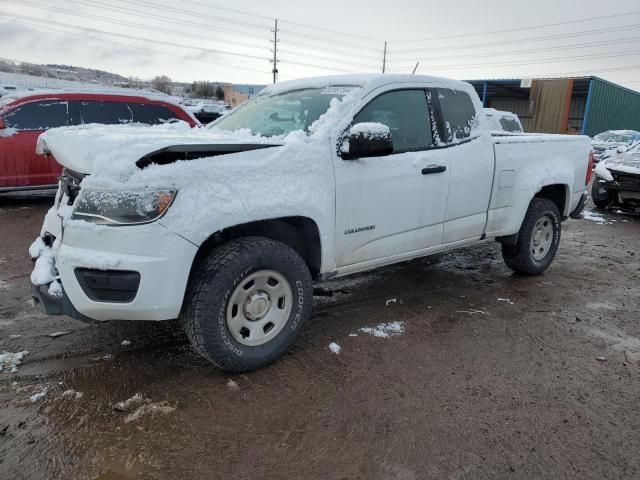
x,y
149,408
385,330
334,347
595,217
11,360
36,397
71,393
127,404
59,334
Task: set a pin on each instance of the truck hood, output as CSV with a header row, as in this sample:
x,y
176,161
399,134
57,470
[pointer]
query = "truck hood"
x,y
79,148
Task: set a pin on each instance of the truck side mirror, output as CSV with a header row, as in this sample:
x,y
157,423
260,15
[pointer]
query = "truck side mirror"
x,y
367,139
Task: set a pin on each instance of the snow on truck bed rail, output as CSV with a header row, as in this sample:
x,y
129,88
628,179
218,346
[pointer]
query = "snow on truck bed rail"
x,y
501,138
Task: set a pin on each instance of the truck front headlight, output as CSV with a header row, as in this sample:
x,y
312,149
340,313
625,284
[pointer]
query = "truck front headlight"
x,y
122,207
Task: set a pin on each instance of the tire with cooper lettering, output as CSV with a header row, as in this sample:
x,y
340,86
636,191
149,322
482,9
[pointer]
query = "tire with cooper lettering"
x,y
246,303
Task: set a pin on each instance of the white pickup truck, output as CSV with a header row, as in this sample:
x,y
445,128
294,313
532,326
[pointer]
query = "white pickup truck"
x,y
226,227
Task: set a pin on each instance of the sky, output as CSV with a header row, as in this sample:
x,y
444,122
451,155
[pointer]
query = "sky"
x,y
233,41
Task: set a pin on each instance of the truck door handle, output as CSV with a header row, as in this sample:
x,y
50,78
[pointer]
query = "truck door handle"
x,y
433,169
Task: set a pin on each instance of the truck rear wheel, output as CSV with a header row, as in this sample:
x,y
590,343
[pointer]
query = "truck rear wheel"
x,y
246,303
538,239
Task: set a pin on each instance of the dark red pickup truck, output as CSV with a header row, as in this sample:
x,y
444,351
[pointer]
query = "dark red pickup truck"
x,y
23,117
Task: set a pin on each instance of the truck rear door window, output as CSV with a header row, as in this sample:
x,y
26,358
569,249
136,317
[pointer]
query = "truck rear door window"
x,y
458,114
151,114
37,116
107,113
406,114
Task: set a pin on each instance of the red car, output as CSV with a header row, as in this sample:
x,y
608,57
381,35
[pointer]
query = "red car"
x,y
23,117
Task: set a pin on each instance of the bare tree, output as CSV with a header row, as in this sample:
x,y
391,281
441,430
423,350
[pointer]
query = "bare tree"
x,y
162,83
203,90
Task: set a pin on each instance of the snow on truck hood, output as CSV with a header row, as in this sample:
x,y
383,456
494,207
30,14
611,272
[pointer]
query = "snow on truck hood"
x,y
121,146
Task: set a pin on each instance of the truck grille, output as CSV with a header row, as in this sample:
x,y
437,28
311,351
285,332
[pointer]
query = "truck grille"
x,y
627,181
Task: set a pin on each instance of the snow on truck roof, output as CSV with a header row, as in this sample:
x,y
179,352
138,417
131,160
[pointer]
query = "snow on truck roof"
x,y
368,80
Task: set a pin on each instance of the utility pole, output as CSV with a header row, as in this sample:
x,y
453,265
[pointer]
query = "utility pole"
x,y
275,52
384,57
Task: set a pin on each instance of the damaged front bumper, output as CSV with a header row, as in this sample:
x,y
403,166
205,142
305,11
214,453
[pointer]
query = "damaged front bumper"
x,y
103,273
55,304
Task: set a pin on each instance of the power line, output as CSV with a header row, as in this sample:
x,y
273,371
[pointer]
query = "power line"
x,y
241,12
525,40
48,27
101,18
173,44
522,52
325,40
185,13
132,37
147,28
567,74
321,67
215,18
298,44
519,29
538,62
330,59
164,30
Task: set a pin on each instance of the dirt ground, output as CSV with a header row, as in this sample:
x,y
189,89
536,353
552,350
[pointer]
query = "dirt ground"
x,y
494,376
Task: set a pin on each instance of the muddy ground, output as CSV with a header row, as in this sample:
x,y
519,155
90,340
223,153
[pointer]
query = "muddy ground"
x,y
494,376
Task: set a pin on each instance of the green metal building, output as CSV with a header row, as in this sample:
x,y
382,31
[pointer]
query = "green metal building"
x,y
587,105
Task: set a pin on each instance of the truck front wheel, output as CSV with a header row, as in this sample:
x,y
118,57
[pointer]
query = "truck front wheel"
x,y
246,303
538,239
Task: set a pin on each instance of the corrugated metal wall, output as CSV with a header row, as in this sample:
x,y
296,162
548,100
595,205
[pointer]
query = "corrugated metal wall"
x,y
550,105
576,114
612,107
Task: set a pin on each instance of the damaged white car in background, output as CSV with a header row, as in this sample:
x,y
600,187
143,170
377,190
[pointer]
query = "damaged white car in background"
x,y
617,182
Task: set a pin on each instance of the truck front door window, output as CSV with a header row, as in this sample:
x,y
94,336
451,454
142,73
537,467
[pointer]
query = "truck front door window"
x,y
405,113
